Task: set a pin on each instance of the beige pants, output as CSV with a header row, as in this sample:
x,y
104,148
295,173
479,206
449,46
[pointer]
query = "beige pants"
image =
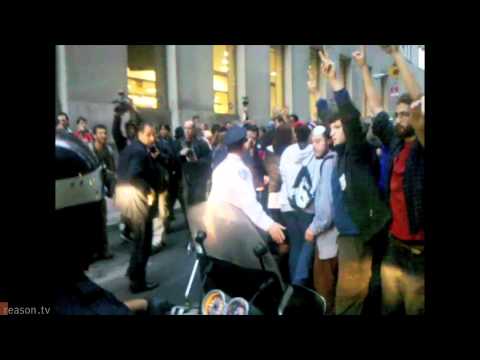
x,y
159,233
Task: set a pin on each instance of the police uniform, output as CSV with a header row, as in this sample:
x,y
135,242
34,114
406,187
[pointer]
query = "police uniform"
x,y
233,215
232,182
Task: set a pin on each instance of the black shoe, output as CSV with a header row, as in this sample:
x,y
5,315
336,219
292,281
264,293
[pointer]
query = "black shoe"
x,y
141,287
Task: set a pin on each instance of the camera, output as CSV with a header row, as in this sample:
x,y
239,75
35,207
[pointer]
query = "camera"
x,y
122,102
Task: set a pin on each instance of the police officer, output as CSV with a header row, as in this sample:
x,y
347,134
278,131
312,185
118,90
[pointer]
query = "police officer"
x,y
78,194
138,186
232,182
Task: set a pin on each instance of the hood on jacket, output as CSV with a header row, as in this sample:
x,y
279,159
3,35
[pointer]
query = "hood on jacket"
x,y
303,154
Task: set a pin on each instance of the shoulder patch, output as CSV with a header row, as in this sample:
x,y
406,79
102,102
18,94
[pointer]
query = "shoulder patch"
x,y
243,174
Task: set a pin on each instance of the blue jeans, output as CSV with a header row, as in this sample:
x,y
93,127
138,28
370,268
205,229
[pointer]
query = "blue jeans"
x,y
301,252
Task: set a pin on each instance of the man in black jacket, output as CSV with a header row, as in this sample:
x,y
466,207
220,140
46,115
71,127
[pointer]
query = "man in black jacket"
x,y
403,283
172,147
359,213
121,142
195,157
139,183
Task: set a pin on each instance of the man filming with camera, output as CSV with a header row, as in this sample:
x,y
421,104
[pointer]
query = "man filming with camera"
x,y
195,156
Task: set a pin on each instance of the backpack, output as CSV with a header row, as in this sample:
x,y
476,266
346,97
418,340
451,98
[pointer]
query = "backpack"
x,y
303,189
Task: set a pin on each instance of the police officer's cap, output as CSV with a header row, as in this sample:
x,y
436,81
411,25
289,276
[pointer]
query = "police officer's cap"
x,y
234,135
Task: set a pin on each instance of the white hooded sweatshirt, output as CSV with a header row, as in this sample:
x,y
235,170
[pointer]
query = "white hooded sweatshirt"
x,y
290,164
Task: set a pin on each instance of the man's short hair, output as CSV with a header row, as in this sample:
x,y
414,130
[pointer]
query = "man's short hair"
x,y
302,133
64,114
143,125
81,118
405,99
99,126
165,126
295,117
250,127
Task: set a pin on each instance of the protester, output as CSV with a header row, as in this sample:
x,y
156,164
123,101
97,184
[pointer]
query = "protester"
x,y
283,138
220,150
294,121
322,230
296,221
252,159
195,156
199,126
174,168
105,156
137,195
402,270
263,131
360,215
165,163
63,122
208,138
122,141
82,131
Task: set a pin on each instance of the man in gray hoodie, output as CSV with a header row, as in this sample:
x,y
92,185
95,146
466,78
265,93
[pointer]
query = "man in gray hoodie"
x,y
322,232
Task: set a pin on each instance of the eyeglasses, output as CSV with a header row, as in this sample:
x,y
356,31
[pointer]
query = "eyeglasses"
x,y
402,114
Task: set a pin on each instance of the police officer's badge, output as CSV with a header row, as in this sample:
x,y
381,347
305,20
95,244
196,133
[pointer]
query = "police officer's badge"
x,y
243,174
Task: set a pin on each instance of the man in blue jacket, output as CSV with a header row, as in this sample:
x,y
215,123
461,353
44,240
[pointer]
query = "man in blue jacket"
x,y
360,215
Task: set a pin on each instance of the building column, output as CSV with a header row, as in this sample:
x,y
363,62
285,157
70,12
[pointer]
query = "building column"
x,y
61,83
195,82
257,82
297,99
95,75
241,77
172,82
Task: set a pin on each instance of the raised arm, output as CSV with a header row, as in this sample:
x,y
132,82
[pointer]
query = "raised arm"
x,y
328,69
120,140
374,100
417,120
347,110
408,79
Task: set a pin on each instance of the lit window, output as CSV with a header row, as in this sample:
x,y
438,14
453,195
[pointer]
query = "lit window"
x,y
276,78
224,79
142,76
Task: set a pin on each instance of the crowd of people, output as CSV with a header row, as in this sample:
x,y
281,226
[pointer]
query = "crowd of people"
x,y
340,197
